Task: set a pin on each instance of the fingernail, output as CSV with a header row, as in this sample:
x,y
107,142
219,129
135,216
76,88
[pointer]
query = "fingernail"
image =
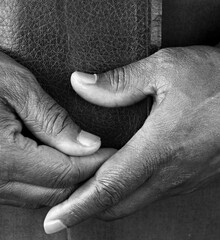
x,y
88,139
53,226
84,77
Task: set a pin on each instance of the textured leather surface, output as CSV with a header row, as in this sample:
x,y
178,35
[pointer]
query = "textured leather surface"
x,y
53,38
195,216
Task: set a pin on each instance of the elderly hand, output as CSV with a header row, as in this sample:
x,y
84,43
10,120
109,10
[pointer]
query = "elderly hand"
x,y
32,174
176,150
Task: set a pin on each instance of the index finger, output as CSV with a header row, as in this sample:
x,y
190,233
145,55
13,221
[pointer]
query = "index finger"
x,y
25,161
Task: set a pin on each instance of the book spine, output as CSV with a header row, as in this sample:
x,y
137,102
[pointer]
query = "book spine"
x,y
155,25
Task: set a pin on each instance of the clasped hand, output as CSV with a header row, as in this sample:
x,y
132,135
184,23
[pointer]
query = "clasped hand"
x,y
34,174
176,150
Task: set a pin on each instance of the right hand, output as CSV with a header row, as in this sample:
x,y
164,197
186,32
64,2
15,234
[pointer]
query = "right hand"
x,y
30,174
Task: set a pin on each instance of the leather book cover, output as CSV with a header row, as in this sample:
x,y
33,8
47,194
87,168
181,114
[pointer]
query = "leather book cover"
x,y
53,38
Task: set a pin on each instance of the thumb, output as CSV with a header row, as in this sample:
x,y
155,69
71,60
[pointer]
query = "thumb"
x,y
47,120
119,87
51,124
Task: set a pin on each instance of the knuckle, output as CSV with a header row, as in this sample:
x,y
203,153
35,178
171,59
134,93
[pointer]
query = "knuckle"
x,y
9,125
119,79
165,53
48,117
75,172
55,119
107,193
172,57
16,94
166,58
57,196
70,174
11,128
20,94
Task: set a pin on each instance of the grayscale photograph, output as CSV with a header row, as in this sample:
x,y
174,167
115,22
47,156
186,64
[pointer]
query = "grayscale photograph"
x,y
109,119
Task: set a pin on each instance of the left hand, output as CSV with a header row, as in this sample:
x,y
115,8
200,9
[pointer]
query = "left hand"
x,y
35,173
176,150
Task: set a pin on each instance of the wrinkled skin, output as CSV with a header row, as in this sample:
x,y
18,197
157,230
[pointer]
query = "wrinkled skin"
x,y
176,150
31,173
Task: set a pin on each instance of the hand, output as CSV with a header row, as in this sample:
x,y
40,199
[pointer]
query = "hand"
x,y
32,174
176,150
